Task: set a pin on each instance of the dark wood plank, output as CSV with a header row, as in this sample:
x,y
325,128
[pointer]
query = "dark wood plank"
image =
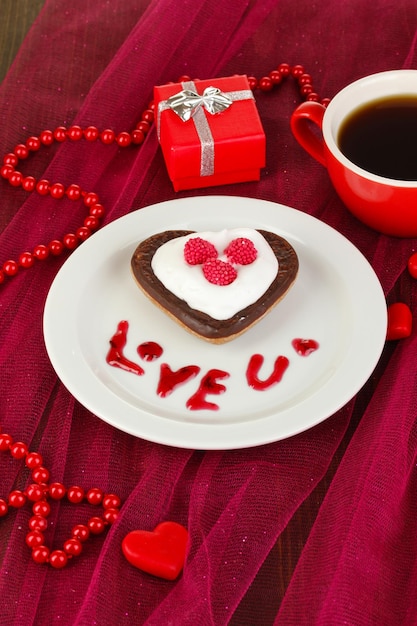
x,y
16,17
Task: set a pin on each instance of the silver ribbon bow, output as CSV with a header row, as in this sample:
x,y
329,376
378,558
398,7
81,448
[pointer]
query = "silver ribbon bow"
x,y
187,103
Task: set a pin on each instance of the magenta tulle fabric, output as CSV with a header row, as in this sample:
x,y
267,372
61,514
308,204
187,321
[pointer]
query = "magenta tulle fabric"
x,y
96,62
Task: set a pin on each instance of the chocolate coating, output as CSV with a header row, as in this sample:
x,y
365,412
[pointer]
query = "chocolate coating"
x,y
199,323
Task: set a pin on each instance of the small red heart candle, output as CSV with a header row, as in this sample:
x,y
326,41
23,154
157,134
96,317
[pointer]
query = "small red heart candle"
x,y
160,552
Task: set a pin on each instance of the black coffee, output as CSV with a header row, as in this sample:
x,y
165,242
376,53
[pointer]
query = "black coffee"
x,y
381,137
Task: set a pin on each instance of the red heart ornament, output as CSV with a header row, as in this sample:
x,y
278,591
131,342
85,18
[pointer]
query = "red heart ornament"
x,y
400,321
160,552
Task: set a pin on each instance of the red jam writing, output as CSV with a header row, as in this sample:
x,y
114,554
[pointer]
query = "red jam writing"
x,y
115,355
304,347
255,363
149,351
208,385
170,379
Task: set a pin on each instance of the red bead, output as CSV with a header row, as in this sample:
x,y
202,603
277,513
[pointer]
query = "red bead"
x,y
70,241
75,494
58,559
90,198
325,102
94,495
42,507
21,151
91,133
5,442
29,183
34,492
96,525
412,265
18,450
297,71
97,210
111,501
41,252
143,126
33,459
152,106
91,222
57,190
306,89
110,515
10,268
37,522
46,137
313,97
42,187
276,77
34,539
6,171
10,159
184,79
265,83
284,69
26,259
75,133
108,136
33,144
3,507
148,115
56,247
15,178
60,133
57,491
73,192
73,547
40,555
83,233
17,499
40,475
304,79
138,137
81,532
124,139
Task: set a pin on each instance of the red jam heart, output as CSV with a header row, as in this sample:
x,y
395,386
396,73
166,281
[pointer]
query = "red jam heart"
x,y
160,552
400,321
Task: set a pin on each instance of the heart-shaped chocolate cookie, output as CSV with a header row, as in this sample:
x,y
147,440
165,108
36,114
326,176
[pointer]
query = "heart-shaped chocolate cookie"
x,y
219,289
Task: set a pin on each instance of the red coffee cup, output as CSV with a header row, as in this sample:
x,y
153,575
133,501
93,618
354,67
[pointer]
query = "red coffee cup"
x,y
383,201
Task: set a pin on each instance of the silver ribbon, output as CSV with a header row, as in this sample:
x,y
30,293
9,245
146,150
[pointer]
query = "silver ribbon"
x,y
189,105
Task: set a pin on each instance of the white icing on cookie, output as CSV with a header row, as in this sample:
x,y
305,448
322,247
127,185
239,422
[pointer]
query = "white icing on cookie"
x,y
188,283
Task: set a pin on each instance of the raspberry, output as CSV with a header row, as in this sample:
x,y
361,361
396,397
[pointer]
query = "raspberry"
x,y
219,272
241,251
198,250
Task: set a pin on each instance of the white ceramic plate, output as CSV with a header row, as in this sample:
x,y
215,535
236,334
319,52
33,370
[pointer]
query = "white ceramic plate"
x,y
337,301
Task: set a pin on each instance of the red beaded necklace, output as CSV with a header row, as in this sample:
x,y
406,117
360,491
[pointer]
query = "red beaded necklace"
x,y
124,139
41,490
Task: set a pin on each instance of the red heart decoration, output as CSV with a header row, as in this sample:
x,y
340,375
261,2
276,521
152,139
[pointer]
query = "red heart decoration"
x,y
160,552
400,321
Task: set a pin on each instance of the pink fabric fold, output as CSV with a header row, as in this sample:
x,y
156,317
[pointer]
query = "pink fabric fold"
x,y
96,63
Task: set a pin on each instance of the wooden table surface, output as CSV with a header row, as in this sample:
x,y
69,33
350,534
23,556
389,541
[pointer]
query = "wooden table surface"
x,y
16,19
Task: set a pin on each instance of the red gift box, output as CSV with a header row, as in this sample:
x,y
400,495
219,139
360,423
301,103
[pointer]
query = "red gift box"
x,y
210,132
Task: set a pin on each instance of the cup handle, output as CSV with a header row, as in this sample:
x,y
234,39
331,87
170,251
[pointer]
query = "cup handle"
x,y
304,133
